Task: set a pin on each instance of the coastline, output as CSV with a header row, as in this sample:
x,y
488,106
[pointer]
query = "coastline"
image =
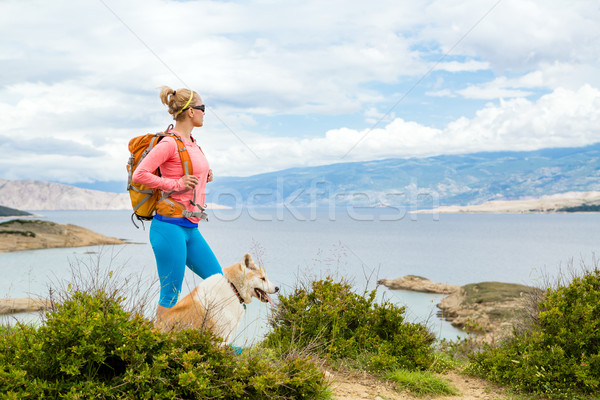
x,y
31,234
487,310
556,203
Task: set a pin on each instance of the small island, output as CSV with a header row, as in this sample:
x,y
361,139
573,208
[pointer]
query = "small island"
x,y
21,234
486,309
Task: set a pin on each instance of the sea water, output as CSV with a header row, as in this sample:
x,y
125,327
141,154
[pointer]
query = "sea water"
x,y
359,245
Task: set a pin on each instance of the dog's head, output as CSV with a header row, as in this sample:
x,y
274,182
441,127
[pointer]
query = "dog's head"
x,y
251,280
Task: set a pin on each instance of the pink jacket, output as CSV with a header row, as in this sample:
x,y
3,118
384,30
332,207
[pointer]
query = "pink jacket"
x,y
165,156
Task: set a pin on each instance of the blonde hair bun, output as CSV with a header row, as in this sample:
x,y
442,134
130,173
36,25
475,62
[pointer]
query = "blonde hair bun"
x,y
175,100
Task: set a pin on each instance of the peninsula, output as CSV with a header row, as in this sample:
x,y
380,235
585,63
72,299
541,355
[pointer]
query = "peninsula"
x,y
489,310
21,234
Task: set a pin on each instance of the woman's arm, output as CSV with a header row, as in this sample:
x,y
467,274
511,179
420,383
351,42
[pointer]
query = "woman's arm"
x,y
162,152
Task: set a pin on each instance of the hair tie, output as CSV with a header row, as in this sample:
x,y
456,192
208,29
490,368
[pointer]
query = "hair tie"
x,y
186,104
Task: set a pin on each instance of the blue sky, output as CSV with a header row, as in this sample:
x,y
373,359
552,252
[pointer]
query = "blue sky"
x,y
294,83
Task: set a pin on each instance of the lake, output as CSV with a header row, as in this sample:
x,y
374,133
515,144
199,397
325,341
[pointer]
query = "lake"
x,y
360,244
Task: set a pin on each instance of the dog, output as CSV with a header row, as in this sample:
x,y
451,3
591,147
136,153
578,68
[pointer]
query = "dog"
x,y
218,303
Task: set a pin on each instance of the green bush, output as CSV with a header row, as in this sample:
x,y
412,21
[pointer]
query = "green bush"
x,y
90,348
560,356
337,323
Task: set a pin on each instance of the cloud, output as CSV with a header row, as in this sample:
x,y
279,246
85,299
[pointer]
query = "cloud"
x,y
75,72
14,146
559,119
517,35
469,66
491,91
562,118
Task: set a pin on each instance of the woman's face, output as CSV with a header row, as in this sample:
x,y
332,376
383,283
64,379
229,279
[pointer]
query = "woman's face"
x,y
196,114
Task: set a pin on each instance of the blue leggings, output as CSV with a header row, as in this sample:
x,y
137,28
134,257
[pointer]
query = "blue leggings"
x,y
175,247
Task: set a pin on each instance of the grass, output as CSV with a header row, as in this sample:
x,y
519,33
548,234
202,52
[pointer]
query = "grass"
x,y
488,292
422,383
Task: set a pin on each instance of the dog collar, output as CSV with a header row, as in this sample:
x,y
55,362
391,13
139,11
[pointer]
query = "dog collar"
x,y
238,294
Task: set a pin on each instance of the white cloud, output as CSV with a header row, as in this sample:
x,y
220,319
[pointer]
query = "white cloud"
x,y
517,35
491,91
469,66
562,118
73,71
559,119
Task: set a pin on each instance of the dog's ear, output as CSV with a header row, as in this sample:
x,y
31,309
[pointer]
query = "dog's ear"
x,y
247,262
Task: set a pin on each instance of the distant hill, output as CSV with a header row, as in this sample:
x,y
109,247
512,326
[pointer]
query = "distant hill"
x,y
464,179
41,195
11,212
424,182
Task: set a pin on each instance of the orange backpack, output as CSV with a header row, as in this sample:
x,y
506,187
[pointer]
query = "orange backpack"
x,y
146,201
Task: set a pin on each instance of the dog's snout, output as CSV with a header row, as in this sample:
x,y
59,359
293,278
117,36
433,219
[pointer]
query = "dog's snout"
x,y
276,289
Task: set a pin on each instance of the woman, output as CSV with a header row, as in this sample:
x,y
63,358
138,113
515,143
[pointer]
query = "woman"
x,y
176,241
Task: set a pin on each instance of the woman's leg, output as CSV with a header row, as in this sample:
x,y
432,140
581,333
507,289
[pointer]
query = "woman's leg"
x,y
169,245
200,257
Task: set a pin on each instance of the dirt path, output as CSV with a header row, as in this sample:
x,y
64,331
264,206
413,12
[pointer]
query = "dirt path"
x,y
364,387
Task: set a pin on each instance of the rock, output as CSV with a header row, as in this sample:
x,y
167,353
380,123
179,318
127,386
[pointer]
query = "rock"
x,y
21,234
488,309
418,284
24,304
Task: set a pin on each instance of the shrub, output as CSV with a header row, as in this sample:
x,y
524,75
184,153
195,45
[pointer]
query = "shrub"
x,y
90,348
560,355
333,321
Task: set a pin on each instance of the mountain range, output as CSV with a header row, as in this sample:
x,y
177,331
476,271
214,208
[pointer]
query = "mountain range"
x,y
422,182
463,179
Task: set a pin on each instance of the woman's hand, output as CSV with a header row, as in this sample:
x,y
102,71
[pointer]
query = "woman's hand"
x,y
190,181
210,176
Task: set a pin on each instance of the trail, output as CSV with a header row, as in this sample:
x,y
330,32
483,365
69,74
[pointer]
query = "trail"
x,y
358,386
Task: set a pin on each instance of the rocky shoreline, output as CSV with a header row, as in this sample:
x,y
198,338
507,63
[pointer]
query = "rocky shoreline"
x,y
21,234
556,203
488,310
23,304
418,284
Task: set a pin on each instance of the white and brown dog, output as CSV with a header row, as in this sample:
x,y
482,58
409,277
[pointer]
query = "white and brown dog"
x,y
218,303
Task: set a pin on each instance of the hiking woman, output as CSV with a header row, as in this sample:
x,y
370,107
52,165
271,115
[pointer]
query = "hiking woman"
x,y
174,235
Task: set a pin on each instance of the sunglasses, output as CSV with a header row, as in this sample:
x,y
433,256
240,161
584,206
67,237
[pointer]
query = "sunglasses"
x,y
201,108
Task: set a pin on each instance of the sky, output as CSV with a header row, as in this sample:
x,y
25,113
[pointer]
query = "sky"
x,y
293,83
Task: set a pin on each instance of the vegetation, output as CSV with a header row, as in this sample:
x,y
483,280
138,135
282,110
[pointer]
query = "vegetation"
x,y
581,208
91,348
491,292
422,383
96,344
22,233
26,222
338,324
11,212
558,354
